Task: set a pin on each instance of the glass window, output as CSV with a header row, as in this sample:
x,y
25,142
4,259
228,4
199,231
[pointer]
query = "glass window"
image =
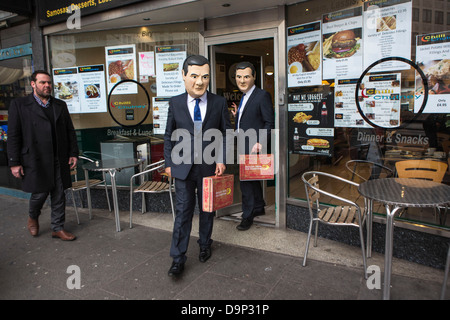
x,y
326,129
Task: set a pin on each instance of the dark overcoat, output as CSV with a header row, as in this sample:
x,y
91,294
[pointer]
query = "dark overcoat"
x,y
30,143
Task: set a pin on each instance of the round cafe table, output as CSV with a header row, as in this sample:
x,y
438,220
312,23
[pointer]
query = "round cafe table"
x,y
397,193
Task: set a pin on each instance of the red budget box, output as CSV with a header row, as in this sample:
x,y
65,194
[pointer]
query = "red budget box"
x,y
256,166
217,192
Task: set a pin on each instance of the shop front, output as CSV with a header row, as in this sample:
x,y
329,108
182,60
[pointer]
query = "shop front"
x,y
349,80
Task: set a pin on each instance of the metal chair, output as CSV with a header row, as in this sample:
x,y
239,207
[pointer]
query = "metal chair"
x,y
447,266
349,214
150,186
78,185
374,170
424,169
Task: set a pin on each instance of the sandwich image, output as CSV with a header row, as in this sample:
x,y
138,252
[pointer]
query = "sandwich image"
x,y
318,143
343,44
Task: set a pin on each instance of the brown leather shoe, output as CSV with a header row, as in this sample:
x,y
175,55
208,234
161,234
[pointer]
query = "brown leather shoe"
x,y
63,235
33,226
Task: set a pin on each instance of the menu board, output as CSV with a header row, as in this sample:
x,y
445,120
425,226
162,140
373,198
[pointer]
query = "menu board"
x,y
121,65
311,127
387,33
342,43
82,88
169,63
160,112
304,55
380,99
433,57
345,112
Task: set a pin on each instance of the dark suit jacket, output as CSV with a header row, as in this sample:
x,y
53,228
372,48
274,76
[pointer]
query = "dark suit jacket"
x,y
258,114
30,143
216,117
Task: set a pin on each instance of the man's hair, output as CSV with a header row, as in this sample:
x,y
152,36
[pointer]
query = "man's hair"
x,y
245,64
194,60
34,75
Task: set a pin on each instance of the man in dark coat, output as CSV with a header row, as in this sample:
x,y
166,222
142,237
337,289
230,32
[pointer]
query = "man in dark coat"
x,y
191,115
255,112
42,148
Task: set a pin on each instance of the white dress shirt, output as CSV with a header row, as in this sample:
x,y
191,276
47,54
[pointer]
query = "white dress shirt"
x,y
244,101
202,104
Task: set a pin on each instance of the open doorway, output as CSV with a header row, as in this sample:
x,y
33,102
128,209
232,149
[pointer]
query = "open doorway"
x,y
224,57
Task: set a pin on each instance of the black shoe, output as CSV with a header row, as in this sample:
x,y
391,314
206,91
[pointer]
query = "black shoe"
x,y
205,254
260,212
176,269
245,224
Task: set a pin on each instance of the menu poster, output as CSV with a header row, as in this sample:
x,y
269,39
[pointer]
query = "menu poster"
x,y
380,99
82,88
304,55
121,65
342,43
160,112
433,57
92,89
66,86
345,112
387,33
169,63
311,127
147,64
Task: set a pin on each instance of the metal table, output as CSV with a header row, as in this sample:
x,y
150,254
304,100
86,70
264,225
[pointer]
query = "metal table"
x,y
111,166
397,193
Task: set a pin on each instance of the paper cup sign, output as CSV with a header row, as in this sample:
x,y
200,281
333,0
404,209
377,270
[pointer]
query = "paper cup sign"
x,y
129,110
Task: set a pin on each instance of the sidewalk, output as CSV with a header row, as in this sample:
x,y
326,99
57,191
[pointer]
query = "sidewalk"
x,y
262,263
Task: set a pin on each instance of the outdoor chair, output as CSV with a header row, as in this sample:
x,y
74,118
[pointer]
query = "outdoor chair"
x,y
147,185
368,170
78,185
348,214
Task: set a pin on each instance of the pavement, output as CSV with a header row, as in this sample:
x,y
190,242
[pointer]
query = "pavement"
x,y
262,265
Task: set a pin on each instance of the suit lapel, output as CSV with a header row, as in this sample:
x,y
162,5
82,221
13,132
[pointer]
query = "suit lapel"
x,y
35,107
56,108
209,107
249,101
184,109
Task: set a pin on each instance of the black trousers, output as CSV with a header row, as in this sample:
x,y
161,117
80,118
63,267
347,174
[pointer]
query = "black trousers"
x,y
185,191
252,198
58,202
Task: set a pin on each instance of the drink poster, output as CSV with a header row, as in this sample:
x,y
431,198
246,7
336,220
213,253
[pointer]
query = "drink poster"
x,y
304,55
387,33
342,43
311,125
345,111
433,57
121,65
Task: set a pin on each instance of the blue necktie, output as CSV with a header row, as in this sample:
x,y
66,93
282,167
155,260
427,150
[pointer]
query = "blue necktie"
x,y
239,108
197,113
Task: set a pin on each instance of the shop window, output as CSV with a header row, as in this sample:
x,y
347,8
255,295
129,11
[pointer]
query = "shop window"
x,y
326,129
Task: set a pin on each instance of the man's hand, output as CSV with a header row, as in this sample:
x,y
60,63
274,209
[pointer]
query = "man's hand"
x,y
73,162
235,109
167,170
17,171
256,148
220,169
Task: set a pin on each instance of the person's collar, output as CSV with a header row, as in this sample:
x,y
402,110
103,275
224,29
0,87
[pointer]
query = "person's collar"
x,y
40,101
202,98
250,91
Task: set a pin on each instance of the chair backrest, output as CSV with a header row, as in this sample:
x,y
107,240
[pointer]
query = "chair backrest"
x,y
421,169
312,194
368,170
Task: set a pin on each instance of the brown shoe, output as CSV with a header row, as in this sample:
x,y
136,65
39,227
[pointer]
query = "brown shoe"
x,y
33,226
63,235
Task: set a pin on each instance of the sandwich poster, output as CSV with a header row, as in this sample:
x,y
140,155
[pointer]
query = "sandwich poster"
x,y
169,64
387,33
121,65
311,125
342,43
304,55
433,57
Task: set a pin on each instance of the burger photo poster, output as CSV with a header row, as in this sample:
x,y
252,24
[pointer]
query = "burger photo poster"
x,y
311,121
342,43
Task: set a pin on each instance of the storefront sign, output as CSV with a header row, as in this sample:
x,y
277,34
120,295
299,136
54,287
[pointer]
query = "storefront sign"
x,y
311,125
54,11
16,52
433,56
304,55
